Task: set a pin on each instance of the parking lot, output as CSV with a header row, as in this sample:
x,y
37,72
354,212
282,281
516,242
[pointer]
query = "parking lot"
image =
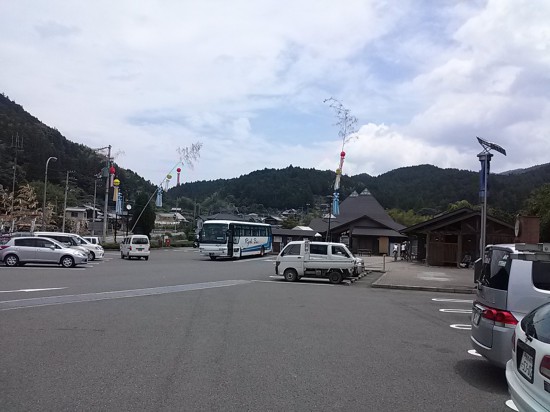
x,y
182,332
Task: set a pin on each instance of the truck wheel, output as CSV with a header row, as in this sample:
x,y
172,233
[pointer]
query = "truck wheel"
x,y
335,277
262,251
290,275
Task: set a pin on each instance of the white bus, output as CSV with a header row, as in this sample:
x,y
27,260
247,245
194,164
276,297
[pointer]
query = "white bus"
x,y
234,239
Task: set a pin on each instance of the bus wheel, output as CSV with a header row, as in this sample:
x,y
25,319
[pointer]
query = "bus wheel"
x,y
335,277
212,257
262,251
290,275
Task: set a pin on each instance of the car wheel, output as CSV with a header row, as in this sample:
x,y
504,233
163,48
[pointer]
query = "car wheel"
x,y
212,257
146,258
11,260
92,256
262,251
121,255
335,277
67,262
290,275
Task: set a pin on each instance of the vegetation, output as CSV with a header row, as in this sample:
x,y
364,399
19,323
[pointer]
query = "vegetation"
x,y
411,194
145,213
538,204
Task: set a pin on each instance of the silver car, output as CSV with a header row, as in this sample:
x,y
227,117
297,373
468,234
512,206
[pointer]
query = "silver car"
x,y
511,281
21,250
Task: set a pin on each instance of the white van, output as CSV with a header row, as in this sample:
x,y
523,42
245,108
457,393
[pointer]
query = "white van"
x,y
74,241
135,246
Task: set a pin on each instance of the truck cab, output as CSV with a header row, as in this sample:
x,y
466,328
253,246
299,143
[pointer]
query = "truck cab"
x,y
317,259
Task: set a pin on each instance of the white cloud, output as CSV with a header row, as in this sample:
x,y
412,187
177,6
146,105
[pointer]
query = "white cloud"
x,y
148,77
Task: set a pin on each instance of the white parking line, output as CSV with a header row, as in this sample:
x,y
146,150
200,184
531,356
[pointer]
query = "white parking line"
x,y
117,294
474,352
456,310
29,290
452,300
461,326
510,403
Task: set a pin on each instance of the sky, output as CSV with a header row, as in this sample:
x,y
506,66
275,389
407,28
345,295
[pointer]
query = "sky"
x,y
250,81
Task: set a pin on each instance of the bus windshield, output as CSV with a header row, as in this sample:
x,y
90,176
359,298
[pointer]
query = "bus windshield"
x,y
214,233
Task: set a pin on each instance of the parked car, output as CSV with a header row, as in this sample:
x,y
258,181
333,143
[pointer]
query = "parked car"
x,y
76,242
21,250
96,251
135,246
528,372
317,259
94,240
511,281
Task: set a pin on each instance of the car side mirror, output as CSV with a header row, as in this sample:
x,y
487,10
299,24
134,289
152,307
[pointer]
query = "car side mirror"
x,y
52,247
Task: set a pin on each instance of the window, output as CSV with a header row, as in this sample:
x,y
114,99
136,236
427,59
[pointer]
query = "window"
x,y
496,269
291,250
140,241
24,242
339,251
318,249
74,214
541,275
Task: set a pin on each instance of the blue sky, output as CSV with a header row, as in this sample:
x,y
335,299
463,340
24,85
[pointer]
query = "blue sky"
x,y
249,79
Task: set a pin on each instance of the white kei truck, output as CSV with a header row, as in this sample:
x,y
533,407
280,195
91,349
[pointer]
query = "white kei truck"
x,y
318,260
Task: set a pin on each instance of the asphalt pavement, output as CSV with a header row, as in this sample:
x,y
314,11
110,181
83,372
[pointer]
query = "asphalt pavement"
x,y
401,274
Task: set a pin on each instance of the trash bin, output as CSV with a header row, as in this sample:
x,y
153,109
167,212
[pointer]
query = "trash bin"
x,y
167,242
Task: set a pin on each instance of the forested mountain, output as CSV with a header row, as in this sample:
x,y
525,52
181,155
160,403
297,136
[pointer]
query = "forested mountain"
x,y
417,188
34,142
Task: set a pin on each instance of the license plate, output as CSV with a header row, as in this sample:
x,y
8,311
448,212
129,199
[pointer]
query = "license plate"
x,y
139,248
525,361
476,317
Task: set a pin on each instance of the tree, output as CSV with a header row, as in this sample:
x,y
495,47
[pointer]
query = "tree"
x,y
290,222
538,204
143,210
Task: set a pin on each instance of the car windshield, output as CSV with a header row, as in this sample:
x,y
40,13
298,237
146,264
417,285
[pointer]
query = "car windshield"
x,y
537,324
214,233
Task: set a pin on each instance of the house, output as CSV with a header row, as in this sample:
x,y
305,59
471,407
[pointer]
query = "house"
x,y
362,224
282,236
273,221
448,237
171,219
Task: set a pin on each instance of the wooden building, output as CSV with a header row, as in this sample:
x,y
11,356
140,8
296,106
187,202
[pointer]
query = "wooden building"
x,y
362,224
449,237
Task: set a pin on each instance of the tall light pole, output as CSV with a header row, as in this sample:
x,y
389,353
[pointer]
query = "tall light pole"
x,y
485,159
45,186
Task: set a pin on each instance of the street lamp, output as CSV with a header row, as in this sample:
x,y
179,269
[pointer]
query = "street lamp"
x,y
45,186
128,208
485,159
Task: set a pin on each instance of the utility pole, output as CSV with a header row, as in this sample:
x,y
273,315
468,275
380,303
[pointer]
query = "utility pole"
x,y
17,145
65,201
107,165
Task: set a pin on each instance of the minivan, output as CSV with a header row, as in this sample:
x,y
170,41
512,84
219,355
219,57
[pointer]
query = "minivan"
x,y
511,280
135,246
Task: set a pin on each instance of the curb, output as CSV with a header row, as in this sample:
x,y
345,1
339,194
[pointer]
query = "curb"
x,y
350,281
425,288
